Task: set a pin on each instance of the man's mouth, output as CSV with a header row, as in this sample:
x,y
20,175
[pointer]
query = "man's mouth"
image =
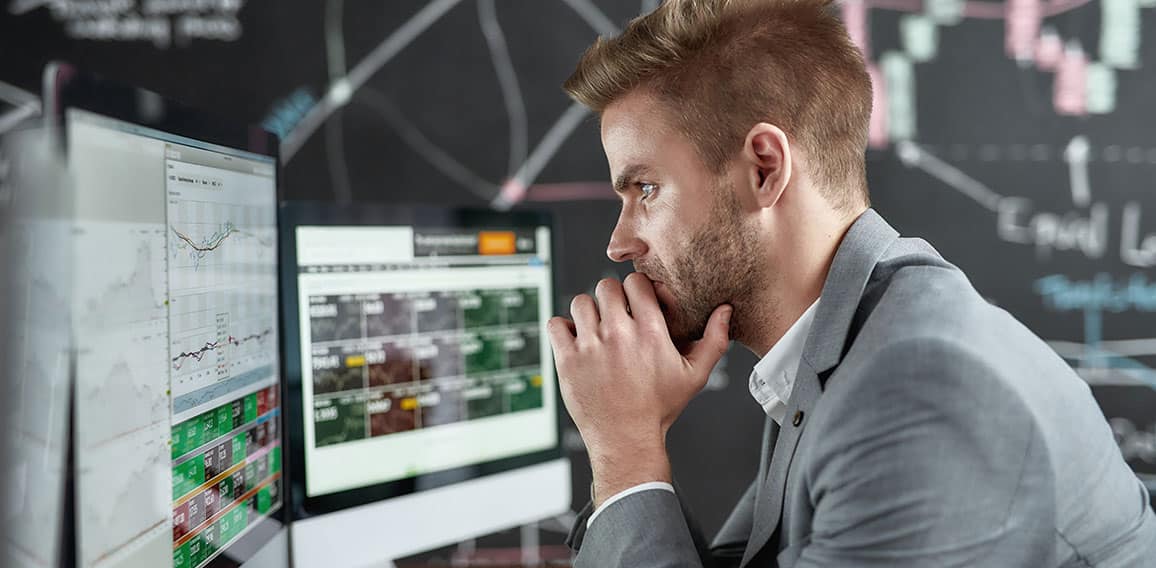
x,y
653,280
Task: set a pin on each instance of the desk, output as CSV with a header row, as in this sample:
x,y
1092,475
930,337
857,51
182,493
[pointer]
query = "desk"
x,y
544,546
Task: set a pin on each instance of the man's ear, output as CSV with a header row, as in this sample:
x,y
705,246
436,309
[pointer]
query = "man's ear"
x,y
767,154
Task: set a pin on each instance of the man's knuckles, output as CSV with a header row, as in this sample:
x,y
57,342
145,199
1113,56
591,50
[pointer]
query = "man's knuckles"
x,y
635,279
607,286
582,302
616,331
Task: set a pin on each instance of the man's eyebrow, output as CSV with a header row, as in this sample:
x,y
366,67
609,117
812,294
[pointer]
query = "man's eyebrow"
x,y
625,179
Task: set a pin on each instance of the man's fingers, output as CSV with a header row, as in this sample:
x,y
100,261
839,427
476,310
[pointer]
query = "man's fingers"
x,y
585,314
643,302
706,352
611,300
561,331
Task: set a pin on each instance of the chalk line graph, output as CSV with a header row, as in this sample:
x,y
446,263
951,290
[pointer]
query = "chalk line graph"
x,y
525,164
25,105
1082,87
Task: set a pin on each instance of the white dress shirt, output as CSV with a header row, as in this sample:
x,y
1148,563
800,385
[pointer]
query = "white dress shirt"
x,y
774,376
771,383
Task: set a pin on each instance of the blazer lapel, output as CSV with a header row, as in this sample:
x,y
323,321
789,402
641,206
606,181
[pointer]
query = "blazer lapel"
x,y
769,503
858,253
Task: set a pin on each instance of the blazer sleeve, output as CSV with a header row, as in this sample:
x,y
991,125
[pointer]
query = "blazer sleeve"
x,y
642,530
926,458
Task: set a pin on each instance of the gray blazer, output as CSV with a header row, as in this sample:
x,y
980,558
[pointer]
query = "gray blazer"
x,y
926,428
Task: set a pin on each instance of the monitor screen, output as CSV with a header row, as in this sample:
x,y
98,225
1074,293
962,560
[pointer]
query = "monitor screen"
x,y
175,311
35,348
422,350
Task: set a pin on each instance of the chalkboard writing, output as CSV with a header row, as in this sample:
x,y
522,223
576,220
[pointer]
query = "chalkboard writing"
x,y
1014,137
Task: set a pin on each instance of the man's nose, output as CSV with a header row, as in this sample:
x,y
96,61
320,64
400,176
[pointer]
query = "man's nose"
x,y
625,245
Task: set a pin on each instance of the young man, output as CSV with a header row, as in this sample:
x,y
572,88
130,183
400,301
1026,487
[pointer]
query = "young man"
x,y
910,423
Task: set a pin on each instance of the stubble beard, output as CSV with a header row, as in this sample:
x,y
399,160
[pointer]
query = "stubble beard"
x,y
719,265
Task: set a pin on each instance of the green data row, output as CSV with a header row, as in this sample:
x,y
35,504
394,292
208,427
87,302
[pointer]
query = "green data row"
x,y
204,545
220,421
404,408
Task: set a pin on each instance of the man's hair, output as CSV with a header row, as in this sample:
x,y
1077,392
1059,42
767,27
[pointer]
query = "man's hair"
x,y
722,66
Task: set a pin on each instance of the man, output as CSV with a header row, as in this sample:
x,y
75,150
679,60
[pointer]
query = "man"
x,y
909,422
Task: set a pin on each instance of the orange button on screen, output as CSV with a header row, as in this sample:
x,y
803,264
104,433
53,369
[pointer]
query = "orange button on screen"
x,y
496,242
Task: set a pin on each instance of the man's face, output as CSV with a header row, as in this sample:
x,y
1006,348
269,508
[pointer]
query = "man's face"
x,y
681,224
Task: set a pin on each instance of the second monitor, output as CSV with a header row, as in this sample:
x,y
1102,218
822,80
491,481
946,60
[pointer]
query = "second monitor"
x,y
426,381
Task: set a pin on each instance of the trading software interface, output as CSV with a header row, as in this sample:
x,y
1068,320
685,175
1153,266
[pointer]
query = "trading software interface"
x,y
423,350
178,406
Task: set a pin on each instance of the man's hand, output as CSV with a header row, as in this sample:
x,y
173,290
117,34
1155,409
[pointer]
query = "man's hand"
x,y
623,380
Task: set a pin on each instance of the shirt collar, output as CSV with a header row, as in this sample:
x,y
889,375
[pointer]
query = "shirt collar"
x,y
774,375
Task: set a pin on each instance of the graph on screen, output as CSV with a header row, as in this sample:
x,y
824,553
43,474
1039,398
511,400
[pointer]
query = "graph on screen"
x,y
221,286
225,451
123,404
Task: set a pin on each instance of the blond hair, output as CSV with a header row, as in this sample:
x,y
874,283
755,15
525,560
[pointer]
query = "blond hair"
x,y
722,66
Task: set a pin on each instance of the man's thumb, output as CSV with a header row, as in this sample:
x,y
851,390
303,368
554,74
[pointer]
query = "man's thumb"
x,y
706,352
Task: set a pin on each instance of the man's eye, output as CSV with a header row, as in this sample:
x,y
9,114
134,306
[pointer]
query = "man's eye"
x,y
647,189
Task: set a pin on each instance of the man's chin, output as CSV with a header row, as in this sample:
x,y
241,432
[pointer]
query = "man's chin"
x,y
684,336
681,334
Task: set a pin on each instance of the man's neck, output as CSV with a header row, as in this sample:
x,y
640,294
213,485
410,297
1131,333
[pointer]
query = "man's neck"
x,y
799,282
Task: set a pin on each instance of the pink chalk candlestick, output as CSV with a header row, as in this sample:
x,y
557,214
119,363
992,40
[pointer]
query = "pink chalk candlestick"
x,y
1049,51
858,27
1071,85
877,136
1022,28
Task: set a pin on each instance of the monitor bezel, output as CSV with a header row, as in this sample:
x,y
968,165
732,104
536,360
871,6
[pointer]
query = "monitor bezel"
x,y
67,87
299,214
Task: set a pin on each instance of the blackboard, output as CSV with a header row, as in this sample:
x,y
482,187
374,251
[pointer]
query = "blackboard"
x,y
987,143
1025,152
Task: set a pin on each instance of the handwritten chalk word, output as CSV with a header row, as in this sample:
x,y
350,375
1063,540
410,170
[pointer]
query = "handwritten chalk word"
x,y
177,7
126,28
217,28
1101,293
162,22
1136,248
71,9
1017,222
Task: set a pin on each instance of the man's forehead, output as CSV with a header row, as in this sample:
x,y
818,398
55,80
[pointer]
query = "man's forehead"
x,y
633,128
637,110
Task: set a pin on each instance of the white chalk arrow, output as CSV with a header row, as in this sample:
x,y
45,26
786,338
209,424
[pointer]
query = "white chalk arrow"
x,y
913,156
1076,155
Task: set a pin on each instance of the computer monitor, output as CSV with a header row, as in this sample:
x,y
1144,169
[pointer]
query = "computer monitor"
x,y
422,406
176,398
35,346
